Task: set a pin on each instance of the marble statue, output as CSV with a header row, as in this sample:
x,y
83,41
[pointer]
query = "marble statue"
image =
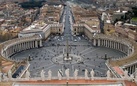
x,y
9,75
5,77
126,74
76,74
67,73
92,73
86,74
27,74
42,75
49,74
131,77
108,74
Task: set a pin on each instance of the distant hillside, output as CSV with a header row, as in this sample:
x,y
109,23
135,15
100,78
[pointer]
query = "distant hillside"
x,y
32,4
53,2
82,1
134,11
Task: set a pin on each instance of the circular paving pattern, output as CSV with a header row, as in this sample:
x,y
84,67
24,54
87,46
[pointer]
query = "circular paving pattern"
x,y
71,59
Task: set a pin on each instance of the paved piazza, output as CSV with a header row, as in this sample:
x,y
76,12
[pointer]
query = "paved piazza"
x,y
46,58
82,55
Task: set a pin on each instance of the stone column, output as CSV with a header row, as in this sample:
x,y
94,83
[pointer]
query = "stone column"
x,y
118,45
98,42
125,49
114,45
130,70
14,48
28,46
122,47
17,48
33,44
110,44
36,44
23,46
134,68
11,50
40,43
20,46
101,42
104,42
94,42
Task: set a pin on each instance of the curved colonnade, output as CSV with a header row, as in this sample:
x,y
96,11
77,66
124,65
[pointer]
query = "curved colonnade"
x,y
11,47
17,45
122,45
126,46
114,43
